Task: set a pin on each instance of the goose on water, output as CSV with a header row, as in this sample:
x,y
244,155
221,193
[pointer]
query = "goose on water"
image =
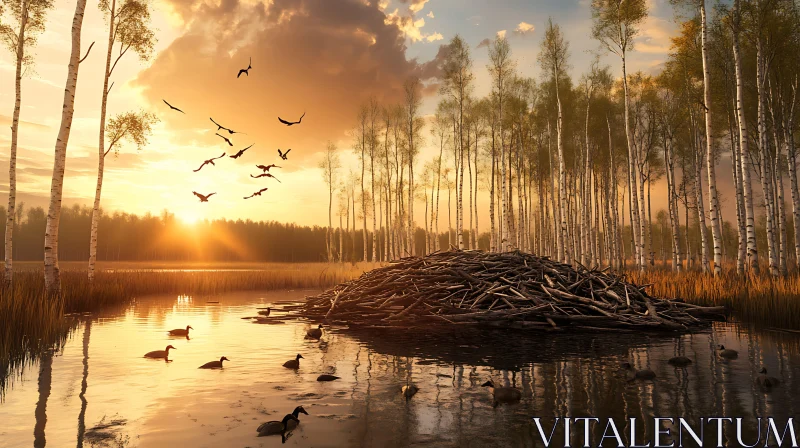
x,y
293,363
326,377
181,331
726,352
679,361
765,381
632,374
503,394
276,427
160,354
214,364
315,333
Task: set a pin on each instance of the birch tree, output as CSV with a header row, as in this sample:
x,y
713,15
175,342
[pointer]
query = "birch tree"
x,y
52,274
616,25
330,165
553,58
501,68
27,19
128,26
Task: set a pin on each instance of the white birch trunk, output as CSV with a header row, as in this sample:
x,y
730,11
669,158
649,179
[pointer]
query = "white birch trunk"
x,y
12,159
52,275
716,216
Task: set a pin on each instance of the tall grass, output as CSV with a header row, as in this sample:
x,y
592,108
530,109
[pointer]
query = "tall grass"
x,y
762,300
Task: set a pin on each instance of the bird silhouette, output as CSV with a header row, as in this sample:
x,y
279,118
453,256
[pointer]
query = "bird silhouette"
x,y
224,138
241,151
203,198
257,193
291,123
211,161
284,154
265,175
220,127
246,71
266,168
172,107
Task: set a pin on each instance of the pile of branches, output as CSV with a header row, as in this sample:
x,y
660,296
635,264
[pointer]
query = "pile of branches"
x,y
513,289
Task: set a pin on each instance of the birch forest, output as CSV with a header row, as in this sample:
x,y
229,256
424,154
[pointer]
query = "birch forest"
x,y
603,168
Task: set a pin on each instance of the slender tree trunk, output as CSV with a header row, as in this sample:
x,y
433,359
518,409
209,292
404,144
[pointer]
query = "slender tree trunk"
x,y
52,276
752,250
12,159
716,216
101,158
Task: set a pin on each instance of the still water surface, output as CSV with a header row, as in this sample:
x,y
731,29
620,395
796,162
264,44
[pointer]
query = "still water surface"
x,y
99,391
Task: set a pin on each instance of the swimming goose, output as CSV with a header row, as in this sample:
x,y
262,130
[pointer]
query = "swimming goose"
x,y
293,363
265,312
275,427
503,394
409,390
160,354
726,352
282,426
644,374
181,331
326,377
767,381
679,361
315,333
214,364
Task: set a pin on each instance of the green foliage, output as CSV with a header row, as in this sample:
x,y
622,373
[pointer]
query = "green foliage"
x,y
617,22
134,127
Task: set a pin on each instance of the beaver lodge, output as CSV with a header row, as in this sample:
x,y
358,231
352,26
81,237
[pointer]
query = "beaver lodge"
x,y
507,290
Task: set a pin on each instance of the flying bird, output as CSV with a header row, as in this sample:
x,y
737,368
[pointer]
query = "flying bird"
x,y
211,161
257,193
224,138
266,168
265,175
246,71
284,154
220,127
241,151
290,123
172,107
203,198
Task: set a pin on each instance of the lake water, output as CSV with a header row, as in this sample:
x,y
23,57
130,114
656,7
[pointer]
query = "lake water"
x,y
100,391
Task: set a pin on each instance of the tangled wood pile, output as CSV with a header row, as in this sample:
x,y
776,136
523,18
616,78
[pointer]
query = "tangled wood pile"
x,y
513,290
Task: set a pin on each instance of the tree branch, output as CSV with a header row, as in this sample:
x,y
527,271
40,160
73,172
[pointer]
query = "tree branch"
x,y
87,53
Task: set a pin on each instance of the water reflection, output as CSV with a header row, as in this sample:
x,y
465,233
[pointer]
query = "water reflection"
x,y
175,403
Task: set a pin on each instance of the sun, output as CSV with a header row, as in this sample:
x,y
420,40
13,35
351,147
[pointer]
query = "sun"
x,y
188,218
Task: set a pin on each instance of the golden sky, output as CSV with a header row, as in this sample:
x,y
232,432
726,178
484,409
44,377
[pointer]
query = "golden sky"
x,y
322,57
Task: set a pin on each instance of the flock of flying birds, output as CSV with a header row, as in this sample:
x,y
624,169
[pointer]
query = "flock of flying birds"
x,y
220,128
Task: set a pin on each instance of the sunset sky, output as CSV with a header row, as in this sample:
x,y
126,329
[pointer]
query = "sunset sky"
x,y
322,57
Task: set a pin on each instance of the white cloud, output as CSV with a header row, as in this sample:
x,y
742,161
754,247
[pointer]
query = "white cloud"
x,y
501,34
417,5
434,37
524,28
430,14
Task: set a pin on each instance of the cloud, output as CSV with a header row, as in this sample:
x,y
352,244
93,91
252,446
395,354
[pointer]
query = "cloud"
x,y
484,43
415,5
501,34
430,14
434,37
323,57
655,36
524,28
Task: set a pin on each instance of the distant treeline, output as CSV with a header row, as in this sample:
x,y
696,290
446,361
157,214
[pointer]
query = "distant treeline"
x,y
130,237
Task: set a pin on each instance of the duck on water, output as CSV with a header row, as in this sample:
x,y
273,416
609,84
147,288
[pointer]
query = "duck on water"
x,y
502,394
214,364
181,331
276,427
160,354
